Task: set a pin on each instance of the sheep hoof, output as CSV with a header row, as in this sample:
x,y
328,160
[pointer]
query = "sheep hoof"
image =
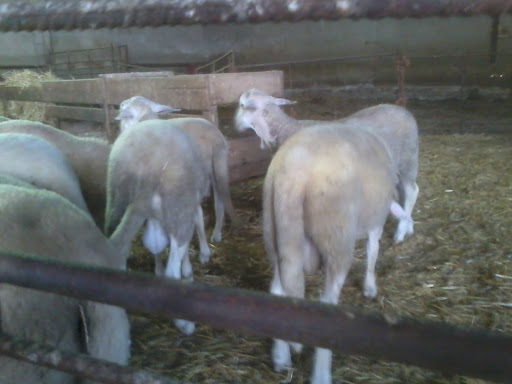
x,y
216,237
281,356
204,257
296,347
186,327
321,378
370,292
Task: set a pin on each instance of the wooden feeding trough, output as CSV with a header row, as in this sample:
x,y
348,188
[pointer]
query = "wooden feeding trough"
x,y
96,100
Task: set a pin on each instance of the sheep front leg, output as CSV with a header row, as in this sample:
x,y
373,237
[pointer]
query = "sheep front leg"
x,y
204,249
178,257
406,227
372,251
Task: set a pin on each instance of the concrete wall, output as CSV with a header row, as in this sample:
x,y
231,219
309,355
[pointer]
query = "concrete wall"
x,y
419,39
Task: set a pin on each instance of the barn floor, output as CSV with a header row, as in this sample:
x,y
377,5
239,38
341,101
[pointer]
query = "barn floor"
x,y
456,268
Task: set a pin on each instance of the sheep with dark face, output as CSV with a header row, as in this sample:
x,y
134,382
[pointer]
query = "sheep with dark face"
x,y
156,175
44,224
317,201
397,127
214,150
87,156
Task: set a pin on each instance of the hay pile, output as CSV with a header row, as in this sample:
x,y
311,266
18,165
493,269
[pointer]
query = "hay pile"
x,y
457,267
26,78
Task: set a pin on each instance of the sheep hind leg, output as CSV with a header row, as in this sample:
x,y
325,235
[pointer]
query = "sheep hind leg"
x,y
293,277
372,252
323,357
178,257
410,192
219,216
204,249
108,332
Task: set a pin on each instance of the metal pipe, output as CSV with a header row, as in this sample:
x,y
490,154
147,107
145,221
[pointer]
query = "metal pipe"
x,y
436,346
73,14
76,364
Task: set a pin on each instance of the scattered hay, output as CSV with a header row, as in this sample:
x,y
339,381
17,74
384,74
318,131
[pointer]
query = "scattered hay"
x,y
26,78
457,267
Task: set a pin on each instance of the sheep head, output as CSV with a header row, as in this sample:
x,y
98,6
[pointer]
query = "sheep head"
x,y
255,110
137,109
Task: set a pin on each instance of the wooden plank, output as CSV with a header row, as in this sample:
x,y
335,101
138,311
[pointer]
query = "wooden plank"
x,y
247,159
226,88
21,94
190,95
76,113
87,91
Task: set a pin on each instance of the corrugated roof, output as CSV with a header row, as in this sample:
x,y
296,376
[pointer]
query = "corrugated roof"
x,y
92,14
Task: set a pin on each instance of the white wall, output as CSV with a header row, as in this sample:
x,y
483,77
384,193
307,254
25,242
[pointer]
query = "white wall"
x,y
276,42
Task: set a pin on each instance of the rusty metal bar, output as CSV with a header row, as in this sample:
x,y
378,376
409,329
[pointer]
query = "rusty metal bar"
x,y
81,14
436,346
76,364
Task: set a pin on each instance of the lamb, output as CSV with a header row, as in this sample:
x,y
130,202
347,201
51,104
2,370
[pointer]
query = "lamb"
x,y
396,126
87,156
42,223
39,163
317,200
155,174
214,148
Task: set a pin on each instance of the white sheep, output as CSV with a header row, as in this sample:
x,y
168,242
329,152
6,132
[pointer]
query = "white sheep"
x,y
42,223
397,127
41,164
87,156
317,201
215,151
155,173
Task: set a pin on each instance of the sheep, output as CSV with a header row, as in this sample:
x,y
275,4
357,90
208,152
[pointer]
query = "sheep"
x,y
396,125
87,156
41,164
317,200
43,223
155,174
214,147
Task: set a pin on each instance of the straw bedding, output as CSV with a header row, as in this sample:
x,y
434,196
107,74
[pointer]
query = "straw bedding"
x,y
456,268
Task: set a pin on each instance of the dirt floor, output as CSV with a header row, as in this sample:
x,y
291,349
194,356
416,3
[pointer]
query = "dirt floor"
x,y
456,268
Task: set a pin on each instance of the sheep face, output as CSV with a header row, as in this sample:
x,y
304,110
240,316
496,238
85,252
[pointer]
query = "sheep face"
x,y
137,109
255,109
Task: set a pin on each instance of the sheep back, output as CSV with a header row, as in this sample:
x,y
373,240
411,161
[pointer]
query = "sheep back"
x,y
87,156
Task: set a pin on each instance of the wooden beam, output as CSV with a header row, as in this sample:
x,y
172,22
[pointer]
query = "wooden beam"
x,y
88,91
76,113
226,88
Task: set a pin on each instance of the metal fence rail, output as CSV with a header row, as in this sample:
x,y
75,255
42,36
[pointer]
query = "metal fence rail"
x,y
435,346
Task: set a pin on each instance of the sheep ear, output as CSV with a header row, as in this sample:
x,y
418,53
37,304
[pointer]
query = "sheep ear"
x,y
125,113
160,108
279,101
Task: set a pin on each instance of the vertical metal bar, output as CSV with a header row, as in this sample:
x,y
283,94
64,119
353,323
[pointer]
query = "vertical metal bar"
x,y
493,47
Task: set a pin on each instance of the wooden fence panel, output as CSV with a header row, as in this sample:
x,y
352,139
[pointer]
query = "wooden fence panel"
x,y
89,91
226,88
